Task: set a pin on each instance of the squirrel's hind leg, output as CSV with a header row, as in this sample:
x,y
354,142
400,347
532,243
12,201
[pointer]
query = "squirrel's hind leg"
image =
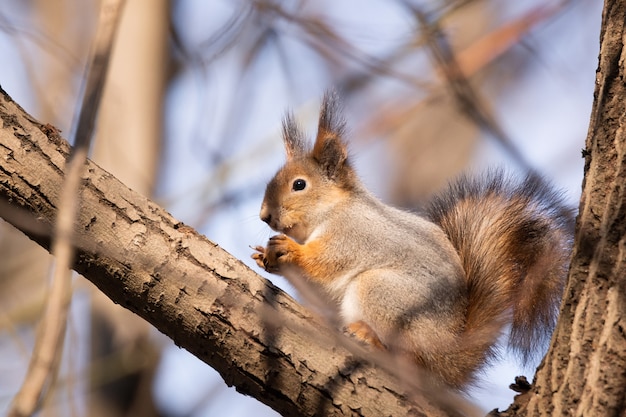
x,y
365,310
404,313
363,332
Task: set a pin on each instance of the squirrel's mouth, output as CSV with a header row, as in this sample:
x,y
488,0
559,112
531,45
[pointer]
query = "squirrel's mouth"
x,y
285,230
294,231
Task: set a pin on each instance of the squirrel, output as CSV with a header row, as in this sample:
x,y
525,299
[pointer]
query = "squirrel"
x,y
437,287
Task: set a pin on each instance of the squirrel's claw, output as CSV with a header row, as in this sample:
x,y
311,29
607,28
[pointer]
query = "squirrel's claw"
x,y
269,258
260,251
259,257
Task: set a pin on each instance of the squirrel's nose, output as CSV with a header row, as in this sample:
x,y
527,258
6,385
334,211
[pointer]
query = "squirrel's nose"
x,y
265,213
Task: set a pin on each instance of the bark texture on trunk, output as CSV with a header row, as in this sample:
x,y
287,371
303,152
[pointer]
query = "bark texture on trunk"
x,y
584,372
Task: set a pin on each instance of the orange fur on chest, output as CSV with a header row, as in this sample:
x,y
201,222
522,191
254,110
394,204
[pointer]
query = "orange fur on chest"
x,y
311,258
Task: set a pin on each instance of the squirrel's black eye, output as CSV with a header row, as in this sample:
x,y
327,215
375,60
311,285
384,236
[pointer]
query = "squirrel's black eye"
x,y
299,184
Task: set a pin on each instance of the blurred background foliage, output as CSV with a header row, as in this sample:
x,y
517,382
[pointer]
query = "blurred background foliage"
x,y
191,117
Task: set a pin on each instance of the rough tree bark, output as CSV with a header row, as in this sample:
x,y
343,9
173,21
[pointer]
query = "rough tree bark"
x,y
257,337
130,108
584,372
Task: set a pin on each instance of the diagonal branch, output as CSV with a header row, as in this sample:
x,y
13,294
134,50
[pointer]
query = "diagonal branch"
x,y
257,337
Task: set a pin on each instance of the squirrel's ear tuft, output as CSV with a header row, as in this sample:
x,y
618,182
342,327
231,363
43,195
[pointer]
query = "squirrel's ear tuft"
x,y
295,143
330,151
332,123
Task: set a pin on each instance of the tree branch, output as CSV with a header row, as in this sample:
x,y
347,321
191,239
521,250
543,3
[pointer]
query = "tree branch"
x,y
257,337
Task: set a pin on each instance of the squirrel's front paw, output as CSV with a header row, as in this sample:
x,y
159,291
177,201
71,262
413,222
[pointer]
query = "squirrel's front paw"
x,y
259,256
279,251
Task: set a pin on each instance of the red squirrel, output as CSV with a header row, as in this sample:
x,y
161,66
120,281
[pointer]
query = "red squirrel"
x,y
437,287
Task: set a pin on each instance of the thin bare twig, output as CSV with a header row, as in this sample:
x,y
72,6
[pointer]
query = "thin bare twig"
x,y
475,57
46,356
467,98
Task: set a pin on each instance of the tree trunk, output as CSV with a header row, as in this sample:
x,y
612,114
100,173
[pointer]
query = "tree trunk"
x,y
208,302
584,372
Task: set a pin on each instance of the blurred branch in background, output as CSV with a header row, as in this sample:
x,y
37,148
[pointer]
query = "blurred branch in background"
x,y
45,360
432,118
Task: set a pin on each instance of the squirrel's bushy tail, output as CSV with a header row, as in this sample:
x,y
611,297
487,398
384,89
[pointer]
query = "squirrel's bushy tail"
x,y
514,240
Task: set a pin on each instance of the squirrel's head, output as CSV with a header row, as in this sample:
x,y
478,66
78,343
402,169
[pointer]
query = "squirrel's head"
x,y
312,181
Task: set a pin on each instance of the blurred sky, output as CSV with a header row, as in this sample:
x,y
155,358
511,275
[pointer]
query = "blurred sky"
x,y
222,133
